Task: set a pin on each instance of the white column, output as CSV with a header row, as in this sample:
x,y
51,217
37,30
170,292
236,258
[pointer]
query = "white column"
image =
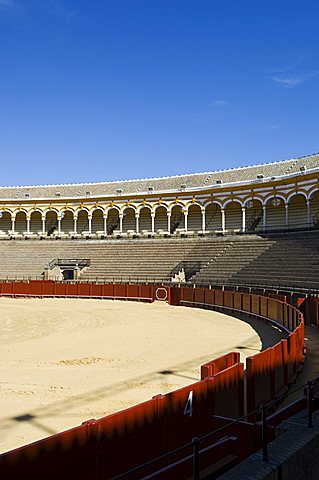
x,y
264,217
121,222
223,219
28,225
43,225
287,214
74,224
137,217
13,219
244,218
185,220
153,221
90,224
203,220
309,212
169,222
59,225
105,224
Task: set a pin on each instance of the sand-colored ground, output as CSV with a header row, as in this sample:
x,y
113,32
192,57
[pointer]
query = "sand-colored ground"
x,y
63,361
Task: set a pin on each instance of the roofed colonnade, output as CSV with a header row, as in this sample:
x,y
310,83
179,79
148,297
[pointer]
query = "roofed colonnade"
x,y
250,214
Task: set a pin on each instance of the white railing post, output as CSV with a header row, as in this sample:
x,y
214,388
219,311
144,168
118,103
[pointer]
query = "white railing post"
x,y
203,220
185,219
223,220
244,218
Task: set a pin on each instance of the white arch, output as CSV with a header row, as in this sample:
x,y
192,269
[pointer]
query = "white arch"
x,y
252,199
312,192
94,209
176,204
125,207
78,210
212,202
294,194
276,195
140,207
112,207
233,200
47,210
30,212
158,205
191,204
18,210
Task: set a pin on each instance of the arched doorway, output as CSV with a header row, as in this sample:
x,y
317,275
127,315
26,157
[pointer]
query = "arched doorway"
x,y
5,222
20,223
161,219
233,216
275,214
254,215
213,217
194,218
83,222
129,222
113,221
314,201
97,221
145,220
51,222
177,218
67,222
36,222
297,211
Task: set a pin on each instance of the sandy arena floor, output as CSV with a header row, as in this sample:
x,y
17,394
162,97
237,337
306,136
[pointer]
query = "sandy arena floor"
x,y
63,361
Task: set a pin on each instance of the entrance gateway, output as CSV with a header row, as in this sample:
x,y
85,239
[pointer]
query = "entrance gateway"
x,y
65,269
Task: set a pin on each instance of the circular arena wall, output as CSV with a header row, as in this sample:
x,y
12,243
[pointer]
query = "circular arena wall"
x,y
67,360
110,446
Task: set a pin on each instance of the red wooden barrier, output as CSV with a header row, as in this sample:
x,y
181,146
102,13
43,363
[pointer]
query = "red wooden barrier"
x,y
218,364
125,440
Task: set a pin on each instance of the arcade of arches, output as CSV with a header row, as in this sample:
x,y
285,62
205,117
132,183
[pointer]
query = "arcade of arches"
x,y
253,215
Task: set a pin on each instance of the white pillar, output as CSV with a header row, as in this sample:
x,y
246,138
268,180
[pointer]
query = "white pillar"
x,y
90,224
28,225
203,220
264,217
43,225
59,225
185,220
287,214
74,224
169,222
105,224
121,222
244,218
13,219
137,217
153,221
309,212
223,219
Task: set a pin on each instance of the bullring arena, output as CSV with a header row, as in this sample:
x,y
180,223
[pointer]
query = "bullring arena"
x,y
189,372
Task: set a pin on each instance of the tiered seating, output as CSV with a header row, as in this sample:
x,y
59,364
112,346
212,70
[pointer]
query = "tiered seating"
x,y
237,252
277,260
290,260
174,183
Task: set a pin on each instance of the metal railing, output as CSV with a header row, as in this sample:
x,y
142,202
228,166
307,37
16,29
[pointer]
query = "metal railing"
x,y
70,262
308,400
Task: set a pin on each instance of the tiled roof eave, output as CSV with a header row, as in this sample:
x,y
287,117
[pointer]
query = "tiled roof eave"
x,y
157,193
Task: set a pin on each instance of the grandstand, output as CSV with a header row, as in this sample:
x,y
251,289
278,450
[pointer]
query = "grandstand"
x,y
214,240
246,260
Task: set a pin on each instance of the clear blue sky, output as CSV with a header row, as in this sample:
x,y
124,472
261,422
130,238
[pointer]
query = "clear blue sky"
x,y
94,90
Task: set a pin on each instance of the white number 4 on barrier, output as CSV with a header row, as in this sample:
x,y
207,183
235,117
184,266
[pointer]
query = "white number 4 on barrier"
x,y
188,410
